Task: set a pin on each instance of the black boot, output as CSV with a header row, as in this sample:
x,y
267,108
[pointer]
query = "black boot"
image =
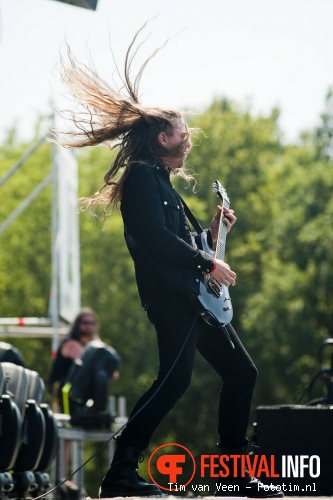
x,y
122,479
245,486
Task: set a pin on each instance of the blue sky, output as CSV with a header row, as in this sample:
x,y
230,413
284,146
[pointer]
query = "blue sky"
x,y
265,53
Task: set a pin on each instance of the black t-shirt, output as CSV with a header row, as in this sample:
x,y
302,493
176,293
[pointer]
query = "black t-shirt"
x,y
60,366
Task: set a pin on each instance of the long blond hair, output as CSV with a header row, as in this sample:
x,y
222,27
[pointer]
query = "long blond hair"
x,y
107,115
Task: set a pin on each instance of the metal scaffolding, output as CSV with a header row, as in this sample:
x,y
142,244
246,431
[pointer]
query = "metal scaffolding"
x,y
52,325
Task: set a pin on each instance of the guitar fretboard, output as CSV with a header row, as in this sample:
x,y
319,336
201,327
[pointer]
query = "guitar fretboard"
x,y
222,237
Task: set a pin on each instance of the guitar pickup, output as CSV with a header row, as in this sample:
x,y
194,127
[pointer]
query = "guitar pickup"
x,y
215,287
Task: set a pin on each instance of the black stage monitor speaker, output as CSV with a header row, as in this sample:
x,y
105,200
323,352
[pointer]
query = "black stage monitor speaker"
x,y
300,439
86,4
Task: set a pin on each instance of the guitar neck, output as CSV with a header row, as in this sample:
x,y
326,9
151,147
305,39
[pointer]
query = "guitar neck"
x,y
222,236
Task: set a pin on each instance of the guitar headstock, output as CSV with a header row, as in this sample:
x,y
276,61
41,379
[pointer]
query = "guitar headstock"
x,y
220,191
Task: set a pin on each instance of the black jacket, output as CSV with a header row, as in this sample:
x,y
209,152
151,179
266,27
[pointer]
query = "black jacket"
x,y
165,253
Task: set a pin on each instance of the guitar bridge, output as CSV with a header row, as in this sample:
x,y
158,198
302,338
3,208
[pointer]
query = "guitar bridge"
x,y
215,286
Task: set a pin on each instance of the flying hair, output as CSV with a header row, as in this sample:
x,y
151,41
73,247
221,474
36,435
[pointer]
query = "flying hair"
x,y
105,114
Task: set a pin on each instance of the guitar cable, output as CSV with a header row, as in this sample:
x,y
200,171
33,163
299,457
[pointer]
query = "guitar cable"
x,y
101,448
225,330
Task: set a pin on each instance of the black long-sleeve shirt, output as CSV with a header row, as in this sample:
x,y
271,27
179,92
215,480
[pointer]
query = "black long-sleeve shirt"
x,y
166,256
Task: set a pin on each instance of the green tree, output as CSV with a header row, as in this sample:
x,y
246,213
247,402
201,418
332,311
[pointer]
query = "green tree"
x,y
290,314
323,135
25,255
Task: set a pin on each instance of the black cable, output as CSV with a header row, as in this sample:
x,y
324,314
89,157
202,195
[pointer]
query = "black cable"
x,y
225,330
308,387
323,371
98,451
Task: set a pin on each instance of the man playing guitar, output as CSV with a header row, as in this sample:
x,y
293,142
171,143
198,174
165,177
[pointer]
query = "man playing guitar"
x,y
169,265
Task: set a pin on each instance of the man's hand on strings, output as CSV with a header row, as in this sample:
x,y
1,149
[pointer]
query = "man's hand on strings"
x,y
229,219
223,273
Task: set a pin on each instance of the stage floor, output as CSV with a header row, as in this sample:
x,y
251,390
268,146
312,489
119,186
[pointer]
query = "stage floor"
x,y
170,497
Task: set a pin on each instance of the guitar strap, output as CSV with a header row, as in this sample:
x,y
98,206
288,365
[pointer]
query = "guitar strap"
x,y
197,226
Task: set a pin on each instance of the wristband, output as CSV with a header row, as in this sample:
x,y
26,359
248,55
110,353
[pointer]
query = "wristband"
x,y
213,268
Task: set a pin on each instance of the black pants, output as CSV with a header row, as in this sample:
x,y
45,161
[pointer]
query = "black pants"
x,y
173,319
